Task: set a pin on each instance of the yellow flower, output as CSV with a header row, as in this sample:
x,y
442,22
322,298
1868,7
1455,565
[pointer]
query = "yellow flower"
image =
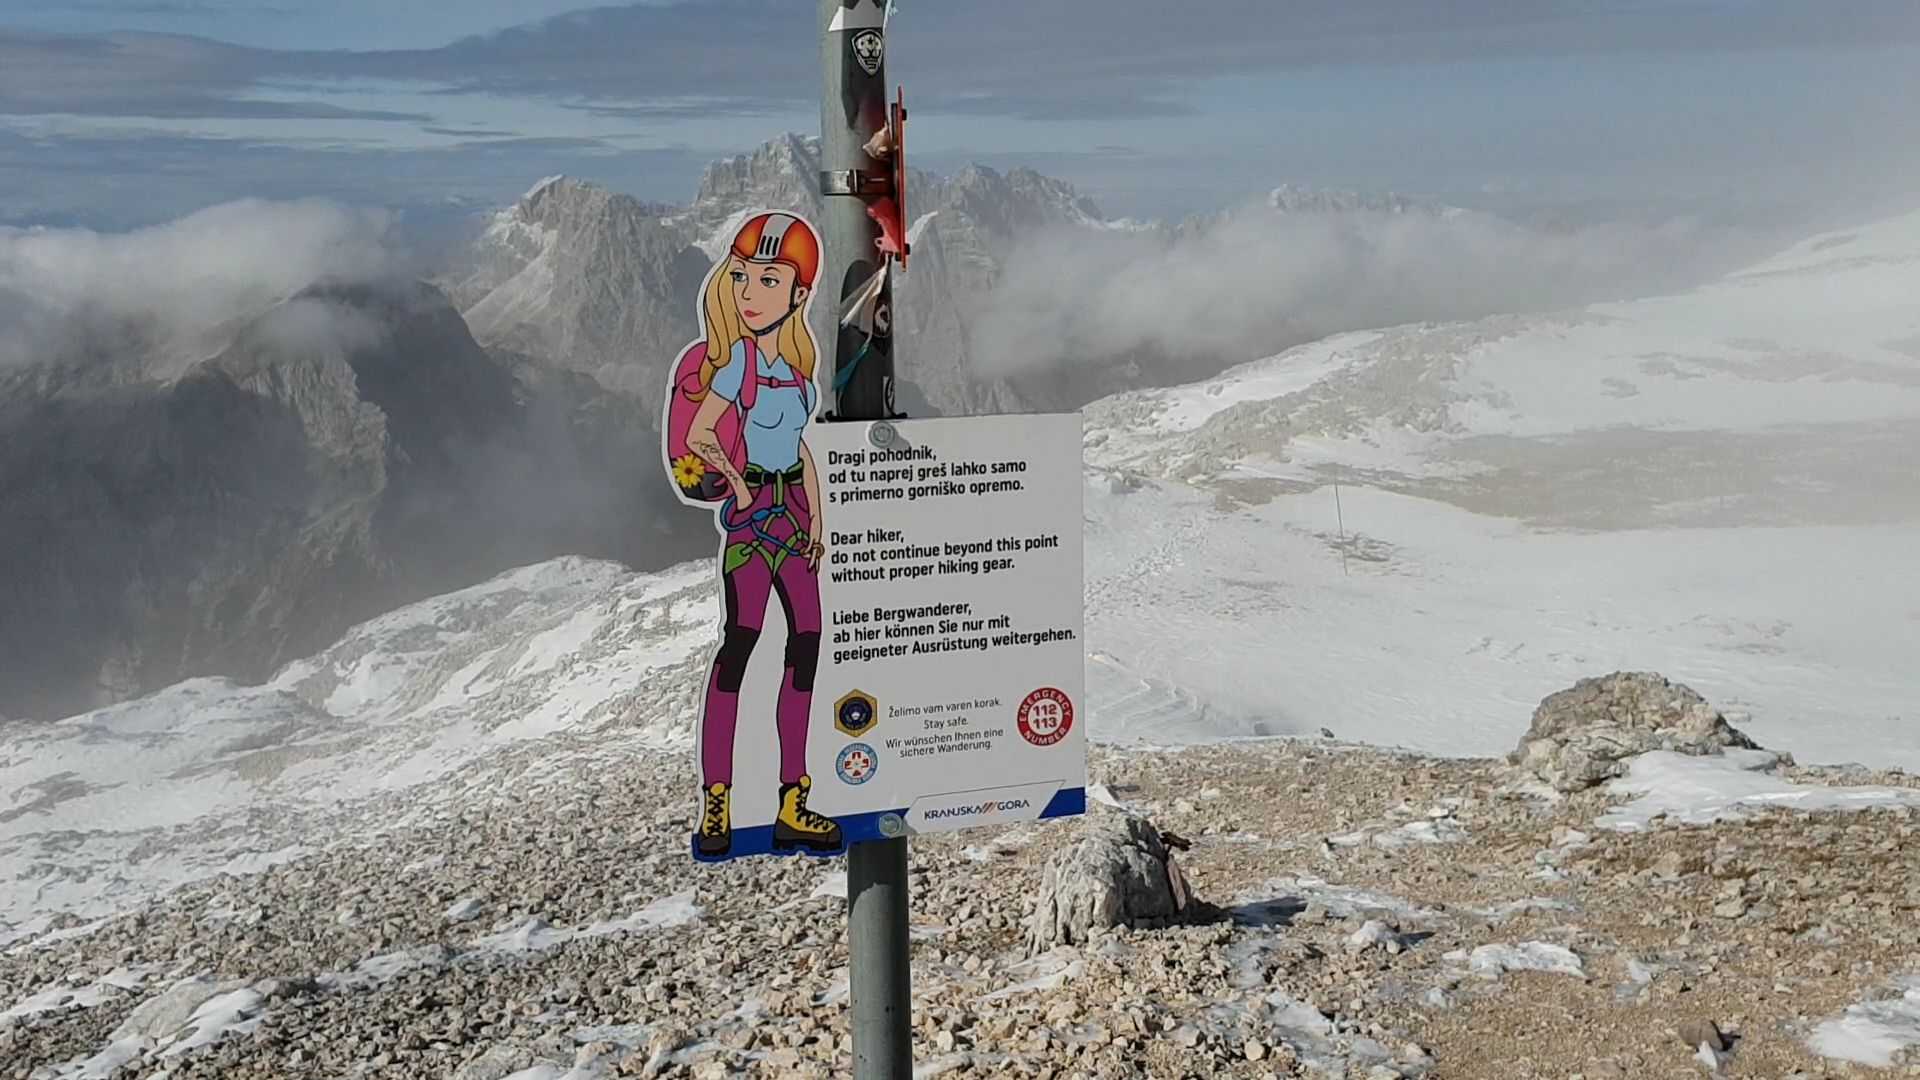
x,y
689,470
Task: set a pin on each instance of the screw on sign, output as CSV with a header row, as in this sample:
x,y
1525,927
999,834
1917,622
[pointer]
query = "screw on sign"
x,y
1045,717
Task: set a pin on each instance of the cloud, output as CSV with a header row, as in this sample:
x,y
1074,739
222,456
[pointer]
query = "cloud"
x,y
1061,60
150,76
306,325
1258,281
179,280
122,182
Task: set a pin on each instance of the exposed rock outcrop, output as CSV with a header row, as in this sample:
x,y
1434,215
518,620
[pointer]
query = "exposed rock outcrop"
x,y
1583,736
1120,873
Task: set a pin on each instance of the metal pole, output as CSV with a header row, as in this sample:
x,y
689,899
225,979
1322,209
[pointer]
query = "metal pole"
x,y
853,106
882,985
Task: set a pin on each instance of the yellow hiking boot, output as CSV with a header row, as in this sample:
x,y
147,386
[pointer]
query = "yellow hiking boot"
x,y
797,826
716,821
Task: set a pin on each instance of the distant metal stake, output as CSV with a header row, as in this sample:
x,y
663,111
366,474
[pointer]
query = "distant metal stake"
x,y
1341,517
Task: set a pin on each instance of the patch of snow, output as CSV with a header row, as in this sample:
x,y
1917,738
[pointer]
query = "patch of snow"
x,y
239,1012
1710,1058
538,935
543,185
1698,790
919,226
1290,894
831,885
626,1036
465,909
1873,1032
717,241
253,862
941,1066
1047,971
117,1055
1491,961
1372,933
54,937
375,970
109,987
1502,912
837,991
1278,1018
1444,830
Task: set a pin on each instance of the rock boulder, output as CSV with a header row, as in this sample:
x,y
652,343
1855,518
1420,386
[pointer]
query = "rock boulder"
x,y
1119,873
1583,736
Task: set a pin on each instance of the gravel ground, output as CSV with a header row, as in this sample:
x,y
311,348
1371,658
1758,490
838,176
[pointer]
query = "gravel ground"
x,y
1367,911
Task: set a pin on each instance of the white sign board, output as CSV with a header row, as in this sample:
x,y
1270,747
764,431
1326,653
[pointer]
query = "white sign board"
x,y
954,599
950,686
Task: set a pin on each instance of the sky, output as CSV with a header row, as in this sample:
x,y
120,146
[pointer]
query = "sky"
x,y
116,113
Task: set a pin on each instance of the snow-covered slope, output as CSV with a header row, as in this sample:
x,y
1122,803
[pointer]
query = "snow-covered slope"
x,y
1827,333
209,775
1717,485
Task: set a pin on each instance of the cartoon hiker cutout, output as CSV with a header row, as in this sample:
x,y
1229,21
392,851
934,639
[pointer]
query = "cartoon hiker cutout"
x,y
735,433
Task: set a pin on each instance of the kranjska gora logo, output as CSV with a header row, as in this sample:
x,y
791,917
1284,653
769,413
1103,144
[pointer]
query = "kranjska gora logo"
x,y
991,806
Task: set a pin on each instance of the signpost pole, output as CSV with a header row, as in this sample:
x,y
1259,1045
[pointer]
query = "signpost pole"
x,y
853,106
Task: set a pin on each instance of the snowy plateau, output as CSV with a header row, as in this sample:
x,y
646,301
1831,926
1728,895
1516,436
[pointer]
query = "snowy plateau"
x,y
1406,537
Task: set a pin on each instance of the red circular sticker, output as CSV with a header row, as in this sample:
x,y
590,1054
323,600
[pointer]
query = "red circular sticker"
x,y
1046,716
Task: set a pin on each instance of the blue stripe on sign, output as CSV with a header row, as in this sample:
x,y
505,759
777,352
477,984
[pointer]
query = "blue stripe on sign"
x,y
1066,802
858,828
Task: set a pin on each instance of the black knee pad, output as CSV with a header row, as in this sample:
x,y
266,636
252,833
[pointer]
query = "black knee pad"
x,y
730,666
803,658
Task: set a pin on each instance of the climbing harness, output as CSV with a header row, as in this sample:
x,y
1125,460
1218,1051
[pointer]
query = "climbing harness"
x,y
759,520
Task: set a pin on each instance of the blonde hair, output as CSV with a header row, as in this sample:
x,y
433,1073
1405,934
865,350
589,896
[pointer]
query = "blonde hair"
x,y
724,327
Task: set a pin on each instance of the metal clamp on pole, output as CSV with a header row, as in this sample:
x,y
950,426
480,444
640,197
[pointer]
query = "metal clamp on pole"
x,y
856,182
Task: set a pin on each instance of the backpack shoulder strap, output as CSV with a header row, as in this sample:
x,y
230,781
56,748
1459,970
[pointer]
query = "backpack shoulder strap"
x,y
750,379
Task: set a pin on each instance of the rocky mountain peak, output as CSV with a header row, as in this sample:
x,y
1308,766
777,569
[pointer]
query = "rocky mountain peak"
x,y
1003,203
782,173
1289,198
558,200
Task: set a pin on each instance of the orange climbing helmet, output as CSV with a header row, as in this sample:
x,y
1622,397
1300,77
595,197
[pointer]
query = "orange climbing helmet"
x,y
780,238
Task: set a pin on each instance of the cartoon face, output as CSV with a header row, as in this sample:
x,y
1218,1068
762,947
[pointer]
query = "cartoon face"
x,y
764,292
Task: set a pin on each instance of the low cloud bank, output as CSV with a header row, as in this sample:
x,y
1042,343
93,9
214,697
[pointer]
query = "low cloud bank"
x,y
1257,281
175,282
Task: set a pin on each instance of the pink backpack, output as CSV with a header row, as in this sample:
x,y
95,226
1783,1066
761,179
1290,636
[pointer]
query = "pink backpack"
x,y
691,475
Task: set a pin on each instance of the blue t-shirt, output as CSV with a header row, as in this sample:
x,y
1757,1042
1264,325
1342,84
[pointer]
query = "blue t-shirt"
x,y
780,413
